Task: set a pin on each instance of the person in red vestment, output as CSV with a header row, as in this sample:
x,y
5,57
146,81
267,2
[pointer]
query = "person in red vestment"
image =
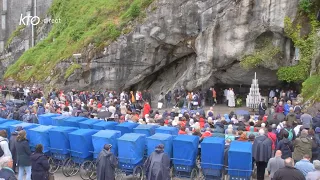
x,y
146,108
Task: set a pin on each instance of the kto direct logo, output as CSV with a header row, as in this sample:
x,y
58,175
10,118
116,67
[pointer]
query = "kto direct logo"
x,y
35,20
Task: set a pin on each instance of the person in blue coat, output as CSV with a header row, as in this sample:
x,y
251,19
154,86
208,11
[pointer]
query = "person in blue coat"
x,y
40,165
287,107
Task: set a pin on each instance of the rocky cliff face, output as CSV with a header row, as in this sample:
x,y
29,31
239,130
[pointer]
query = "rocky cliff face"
x,y
188,43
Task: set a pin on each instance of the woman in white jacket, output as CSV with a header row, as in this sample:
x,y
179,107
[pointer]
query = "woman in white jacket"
x,y
4,144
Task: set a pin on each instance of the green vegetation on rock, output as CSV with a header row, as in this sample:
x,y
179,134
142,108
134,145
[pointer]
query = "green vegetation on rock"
x,y
15,33
71,70
311,88
307,47
305,5
99,22
262,54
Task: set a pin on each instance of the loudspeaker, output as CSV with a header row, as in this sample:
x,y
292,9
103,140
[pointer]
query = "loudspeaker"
x,y
318,16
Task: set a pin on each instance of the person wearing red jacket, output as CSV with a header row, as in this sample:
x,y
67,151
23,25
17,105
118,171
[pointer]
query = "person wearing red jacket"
x,y
182,130
201,122
280,108
207,133
146,109
273,137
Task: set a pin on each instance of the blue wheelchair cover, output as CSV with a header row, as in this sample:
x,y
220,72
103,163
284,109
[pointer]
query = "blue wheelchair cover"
x,y
6,125
240,158
103,125
74,121
46,119
59,120
126,127
185,150
105,137
148,130
88,124
131,148
167,130
24,125
40,135
159,138
59,139
81,143
212,152
3,120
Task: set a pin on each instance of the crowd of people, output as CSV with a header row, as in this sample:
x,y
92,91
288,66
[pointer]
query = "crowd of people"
x,y
285,138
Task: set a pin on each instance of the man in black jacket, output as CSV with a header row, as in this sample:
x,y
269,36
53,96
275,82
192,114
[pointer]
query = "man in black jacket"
x,y
288,172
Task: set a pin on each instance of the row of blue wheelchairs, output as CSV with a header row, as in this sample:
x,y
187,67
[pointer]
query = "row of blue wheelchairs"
x,y
75,150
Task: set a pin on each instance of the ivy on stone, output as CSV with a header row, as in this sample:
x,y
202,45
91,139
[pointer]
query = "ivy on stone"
x,y
307,46
262,55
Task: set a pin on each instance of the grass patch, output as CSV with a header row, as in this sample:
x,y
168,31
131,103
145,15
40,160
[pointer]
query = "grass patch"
x,y
82,22
15,33
71,70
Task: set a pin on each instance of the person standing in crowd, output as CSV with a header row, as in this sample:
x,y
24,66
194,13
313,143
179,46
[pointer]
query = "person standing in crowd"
x,y
106,164
23,156
157,165
13,142
262,108
214,97
273,137
146,109
168,98
314,175
287,107
288,172
275,163
6,172
304,165
285,145
291,117
160,100
302,146
40,165
225,95
231,98
306,120
4,144
272,94
280,108
262,152
132,98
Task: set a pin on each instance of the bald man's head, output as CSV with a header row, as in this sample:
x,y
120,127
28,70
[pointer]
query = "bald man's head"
x,y
278,153
289,162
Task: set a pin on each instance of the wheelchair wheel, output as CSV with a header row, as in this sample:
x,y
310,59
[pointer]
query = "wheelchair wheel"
x,y
66,168
54,165
138,173
70,168
119,174
194,174
86,170
172,173
93,175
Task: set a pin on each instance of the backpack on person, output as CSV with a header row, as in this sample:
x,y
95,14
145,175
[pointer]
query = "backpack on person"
x,y
290,137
